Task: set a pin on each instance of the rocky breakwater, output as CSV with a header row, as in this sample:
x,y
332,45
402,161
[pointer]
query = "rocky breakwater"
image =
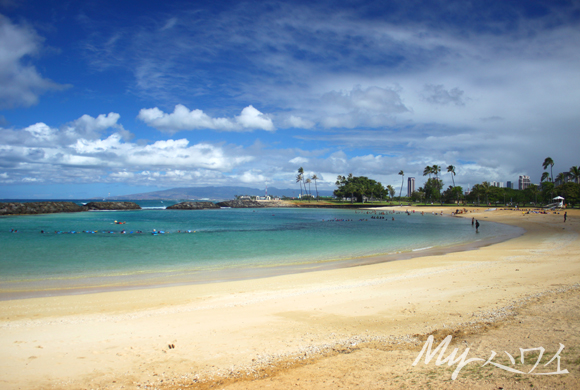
x,y
112,206
17,208
241,204
193,206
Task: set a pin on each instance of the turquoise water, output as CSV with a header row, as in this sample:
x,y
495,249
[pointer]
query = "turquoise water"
x,y
222,244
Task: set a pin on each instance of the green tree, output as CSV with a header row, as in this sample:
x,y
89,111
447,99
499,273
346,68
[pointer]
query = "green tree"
x,y
417,196
575,174
428,171
547,189
570,192
433,188
357,187
391,190
532,193
451,194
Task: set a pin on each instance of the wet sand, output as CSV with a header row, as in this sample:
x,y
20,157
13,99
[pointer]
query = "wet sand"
x,y
349,327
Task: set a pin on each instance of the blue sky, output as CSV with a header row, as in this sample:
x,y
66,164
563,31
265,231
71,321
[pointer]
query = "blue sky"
x,y
101,97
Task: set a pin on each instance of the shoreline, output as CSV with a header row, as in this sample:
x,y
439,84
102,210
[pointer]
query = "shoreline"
x,y
155,280
115,339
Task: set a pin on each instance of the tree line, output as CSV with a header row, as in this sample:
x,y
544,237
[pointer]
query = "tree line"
x,y
566,184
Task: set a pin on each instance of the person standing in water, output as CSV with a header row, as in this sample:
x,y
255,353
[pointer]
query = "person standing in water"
x,y
472,221
476,226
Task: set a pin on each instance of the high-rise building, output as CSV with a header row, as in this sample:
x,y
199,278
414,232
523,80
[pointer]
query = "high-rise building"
x,y
410,186
496,184
509,184
524,182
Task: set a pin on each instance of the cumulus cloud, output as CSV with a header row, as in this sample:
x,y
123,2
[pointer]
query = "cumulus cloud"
x,y
92,149
251,177
92,128
86,127
254,119
298,122
21,83
184,119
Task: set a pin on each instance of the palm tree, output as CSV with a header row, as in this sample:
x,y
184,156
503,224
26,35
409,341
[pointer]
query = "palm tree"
x,y
301,172
314,177
550,162
575,174
428,171
299,180
436,169
545,176
562,177
451,169
308,181
402,181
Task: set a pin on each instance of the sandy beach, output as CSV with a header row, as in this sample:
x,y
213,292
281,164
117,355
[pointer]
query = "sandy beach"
x,y
356,327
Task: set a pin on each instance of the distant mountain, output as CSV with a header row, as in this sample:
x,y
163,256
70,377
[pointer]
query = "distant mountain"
x,y
215,193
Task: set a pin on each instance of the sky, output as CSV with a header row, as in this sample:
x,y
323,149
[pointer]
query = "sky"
x,y
110,97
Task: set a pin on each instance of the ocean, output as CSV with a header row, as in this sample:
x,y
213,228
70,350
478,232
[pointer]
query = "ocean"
x,y
86,252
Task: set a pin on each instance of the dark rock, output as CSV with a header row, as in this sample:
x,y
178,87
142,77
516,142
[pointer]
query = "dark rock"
x,y
193,206
113,206
17,208
241,203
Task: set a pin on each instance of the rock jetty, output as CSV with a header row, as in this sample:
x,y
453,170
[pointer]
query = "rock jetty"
x,y
17,208
241,204
193,206
112,206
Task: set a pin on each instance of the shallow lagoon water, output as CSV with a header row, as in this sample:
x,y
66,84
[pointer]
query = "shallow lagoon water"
x,y
223,244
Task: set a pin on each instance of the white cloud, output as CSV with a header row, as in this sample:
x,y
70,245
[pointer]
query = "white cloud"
x,y
298,160
21,83
184,119
41,131
254,119
91,128
298,122
40,152
251,177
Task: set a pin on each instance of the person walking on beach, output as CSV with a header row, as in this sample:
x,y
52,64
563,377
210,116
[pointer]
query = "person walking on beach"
x,y
565,216
476,226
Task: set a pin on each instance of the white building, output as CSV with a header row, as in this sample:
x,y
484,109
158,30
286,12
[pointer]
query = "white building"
x,y
524,182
